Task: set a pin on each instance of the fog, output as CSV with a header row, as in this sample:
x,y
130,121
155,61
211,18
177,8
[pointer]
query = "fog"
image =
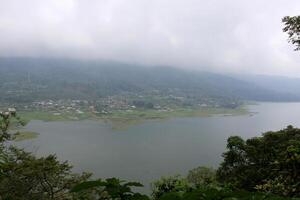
x,y
223,36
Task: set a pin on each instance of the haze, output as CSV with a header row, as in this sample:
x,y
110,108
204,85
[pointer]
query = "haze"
x,y
222,36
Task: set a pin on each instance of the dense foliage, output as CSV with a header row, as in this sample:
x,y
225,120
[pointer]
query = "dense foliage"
x,y
111,189
26,177
8,118
270,163
213,193
178,188
172,184
202,176
170,188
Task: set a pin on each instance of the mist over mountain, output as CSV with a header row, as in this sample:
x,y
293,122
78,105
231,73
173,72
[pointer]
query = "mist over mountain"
x,y
149,100
31,79
279,84
222,36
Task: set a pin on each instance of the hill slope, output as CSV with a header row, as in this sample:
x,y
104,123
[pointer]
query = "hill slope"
x,y
29,79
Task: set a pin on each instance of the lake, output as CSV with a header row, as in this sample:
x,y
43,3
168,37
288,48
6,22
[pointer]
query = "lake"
x,y
150,150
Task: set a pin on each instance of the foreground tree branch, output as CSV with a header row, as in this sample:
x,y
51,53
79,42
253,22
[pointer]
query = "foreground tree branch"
x,y
292,27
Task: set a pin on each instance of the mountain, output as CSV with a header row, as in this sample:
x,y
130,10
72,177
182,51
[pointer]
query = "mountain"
x,y
31,79
278,84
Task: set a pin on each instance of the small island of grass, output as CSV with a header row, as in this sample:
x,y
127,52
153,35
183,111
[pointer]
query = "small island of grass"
x,y
25,135
122,119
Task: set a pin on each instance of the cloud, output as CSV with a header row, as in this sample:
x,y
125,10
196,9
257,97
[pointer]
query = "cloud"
x,y
223,36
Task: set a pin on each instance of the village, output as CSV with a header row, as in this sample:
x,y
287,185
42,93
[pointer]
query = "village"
x,y
110,104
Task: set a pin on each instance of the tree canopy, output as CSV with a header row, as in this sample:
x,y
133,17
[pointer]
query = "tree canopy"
x,y
270,163
23,176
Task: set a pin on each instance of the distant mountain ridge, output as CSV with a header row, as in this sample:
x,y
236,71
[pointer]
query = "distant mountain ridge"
x,y
279,84
30,79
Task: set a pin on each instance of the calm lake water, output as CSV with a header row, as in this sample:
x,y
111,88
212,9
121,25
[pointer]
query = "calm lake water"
x,y
150,150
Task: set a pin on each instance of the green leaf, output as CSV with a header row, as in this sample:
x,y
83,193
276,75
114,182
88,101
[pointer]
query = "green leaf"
x,y
88,185
134,184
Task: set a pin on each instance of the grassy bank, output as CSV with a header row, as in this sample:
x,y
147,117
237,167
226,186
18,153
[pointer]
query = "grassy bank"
x,y
25,135
121,119
48,116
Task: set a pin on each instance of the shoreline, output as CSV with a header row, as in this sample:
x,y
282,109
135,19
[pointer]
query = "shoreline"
x,y
123,119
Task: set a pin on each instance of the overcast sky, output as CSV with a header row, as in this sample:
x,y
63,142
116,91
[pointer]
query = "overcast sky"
x,y
243,36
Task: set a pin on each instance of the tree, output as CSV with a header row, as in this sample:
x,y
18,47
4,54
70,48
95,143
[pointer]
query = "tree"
x,y
212,193
202,176
26,177
270,163
112,189
292,27
7,118
170,184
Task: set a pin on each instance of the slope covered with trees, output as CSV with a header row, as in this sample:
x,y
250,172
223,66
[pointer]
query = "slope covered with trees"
x,y
32,79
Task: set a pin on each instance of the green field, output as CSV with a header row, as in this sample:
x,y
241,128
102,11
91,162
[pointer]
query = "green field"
x,y
121,119
48,116
25,135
